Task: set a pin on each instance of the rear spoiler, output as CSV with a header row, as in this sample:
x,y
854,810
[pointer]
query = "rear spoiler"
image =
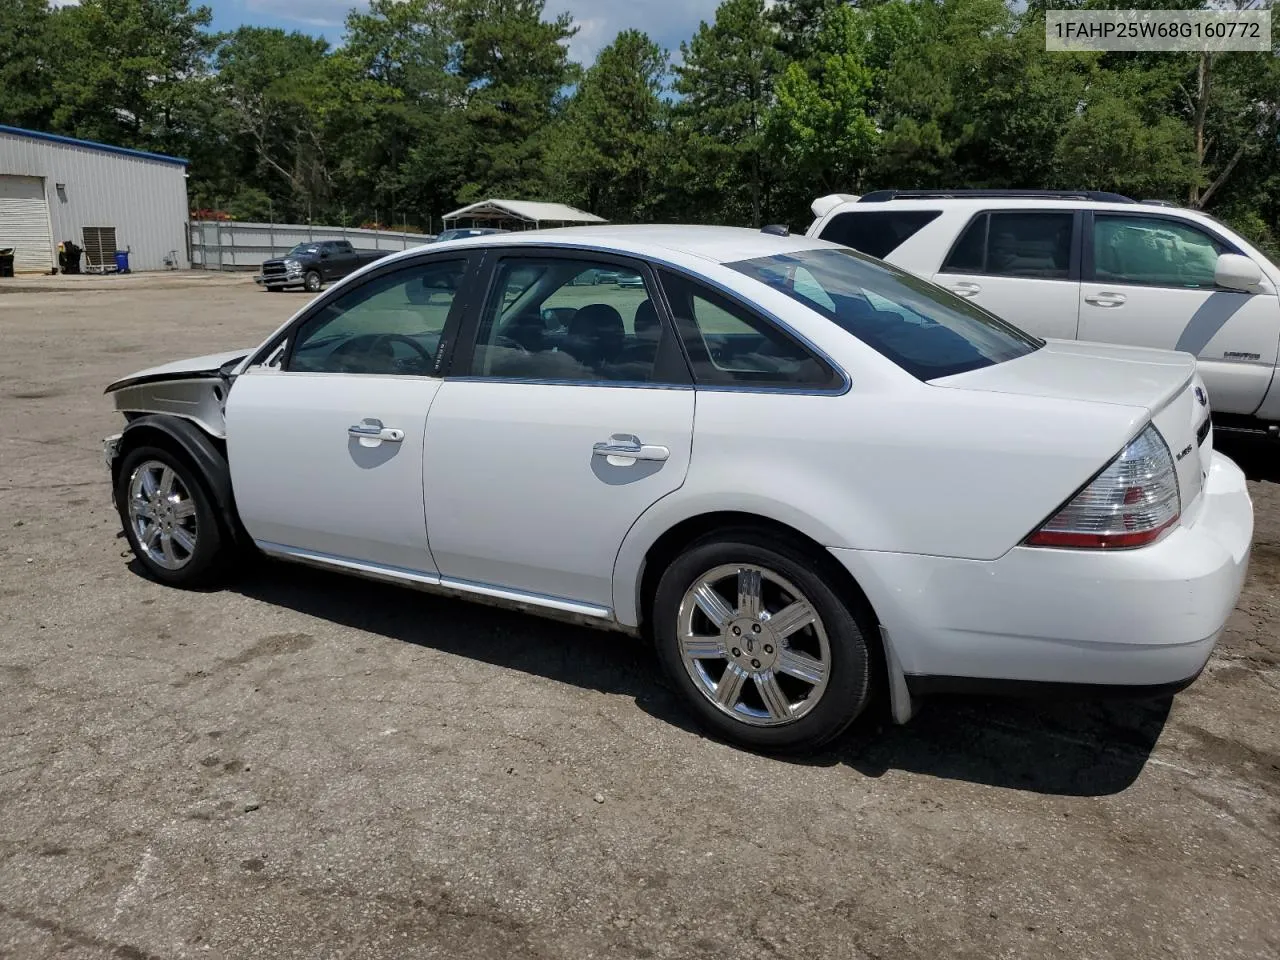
x,y
824,205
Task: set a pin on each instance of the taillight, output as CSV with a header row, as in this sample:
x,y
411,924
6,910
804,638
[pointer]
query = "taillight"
x,y
1131,503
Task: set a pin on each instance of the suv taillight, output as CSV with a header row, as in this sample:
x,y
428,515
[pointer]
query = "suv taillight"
x,y
1132,503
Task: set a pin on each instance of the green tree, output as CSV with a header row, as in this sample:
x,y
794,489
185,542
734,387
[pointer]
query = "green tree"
x,y
25,76
726,81
515,67
271,86
126,71
820,126
402,148
605,153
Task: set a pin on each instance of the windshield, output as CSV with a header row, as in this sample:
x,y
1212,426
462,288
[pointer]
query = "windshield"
x,y
303,248
922,328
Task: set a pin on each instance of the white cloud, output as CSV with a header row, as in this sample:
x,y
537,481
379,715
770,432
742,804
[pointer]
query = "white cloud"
x,y
667,21
314,13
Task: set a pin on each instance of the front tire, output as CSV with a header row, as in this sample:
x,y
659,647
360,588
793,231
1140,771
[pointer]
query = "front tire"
x,y
759,643
169,519
312,282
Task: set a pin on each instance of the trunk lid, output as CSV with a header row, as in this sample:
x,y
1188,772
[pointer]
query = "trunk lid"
x,y
1161,382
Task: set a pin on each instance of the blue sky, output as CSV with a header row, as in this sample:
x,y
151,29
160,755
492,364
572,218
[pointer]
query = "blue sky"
x,y
667,21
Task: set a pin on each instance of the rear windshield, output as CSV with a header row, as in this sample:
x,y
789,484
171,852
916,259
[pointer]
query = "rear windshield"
x,y
922,328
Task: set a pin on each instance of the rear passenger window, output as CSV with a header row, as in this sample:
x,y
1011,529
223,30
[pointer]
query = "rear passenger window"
x,y
569,320
729,344
1015,244
876,233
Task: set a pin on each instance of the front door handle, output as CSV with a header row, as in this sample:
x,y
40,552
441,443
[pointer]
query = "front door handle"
x,y
370,432
965,289
1105,299
628,446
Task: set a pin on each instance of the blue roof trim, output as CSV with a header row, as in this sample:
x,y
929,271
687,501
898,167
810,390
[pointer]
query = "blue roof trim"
x,y
92,145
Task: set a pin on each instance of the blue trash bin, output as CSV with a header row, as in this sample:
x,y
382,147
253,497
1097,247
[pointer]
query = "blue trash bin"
x,y
122,261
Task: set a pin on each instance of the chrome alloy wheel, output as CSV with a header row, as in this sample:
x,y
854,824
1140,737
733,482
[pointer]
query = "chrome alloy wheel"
x,y
754,645
163,515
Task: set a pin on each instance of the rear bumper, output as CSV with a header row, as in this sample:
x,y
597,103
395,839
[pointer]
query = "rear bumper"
x,y
1128,618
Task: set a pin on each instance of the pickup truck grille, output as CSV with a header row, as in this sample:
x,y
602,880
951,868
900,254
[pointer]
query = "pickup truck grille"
x,y
274,268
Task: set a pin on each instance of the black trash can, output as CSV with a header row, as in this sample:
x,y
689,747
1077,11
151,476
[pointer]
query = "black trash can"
x,y
6,262
69,257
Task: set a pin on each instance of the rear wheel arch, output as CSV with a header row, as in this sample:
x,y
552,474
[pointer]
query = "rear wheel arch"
x,y
723,525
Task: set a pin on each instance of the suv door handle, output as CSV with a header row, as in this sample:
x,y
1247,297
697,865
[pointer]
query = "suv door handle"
x,y
629,446
370,429
965,289
1105,299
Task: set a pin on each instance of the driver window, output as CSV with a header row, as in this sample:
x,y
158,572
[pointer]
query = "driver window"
x,y
1153,251
572,320
388,326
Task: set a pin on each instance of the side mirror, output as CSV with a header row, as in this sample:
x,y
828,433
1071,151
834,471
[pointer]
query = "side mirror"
x,y
1234,272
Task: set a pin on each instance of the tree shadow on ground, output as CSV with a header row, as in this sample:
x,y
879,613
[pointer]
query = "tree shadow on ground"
x,y
1088,748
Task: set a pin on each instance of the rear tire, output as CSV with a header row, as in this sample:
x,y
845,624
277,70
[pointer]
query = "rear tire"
x,y
789,685
169,518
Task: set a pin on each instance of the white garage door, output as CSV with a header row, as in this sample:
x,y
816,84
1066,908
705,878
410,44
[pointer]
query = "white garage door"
x,y
24,223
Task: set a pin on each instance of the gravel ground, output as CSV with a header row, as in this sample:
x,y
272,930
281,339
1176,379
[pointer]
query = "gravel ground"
x,y
301,765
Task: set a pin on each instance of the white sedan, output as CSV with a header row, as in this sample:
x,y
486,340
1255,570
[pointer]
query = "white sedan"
x,y
807,475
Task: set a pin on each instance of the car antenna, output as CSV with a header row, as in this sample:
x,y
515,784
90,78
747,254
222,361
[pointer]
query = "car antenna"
x,y
777,230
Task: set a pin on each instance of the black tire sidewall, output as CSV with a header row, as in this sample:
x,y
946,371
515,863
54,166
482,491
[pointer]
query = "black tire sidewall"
x,y
206,562
312,285
847,626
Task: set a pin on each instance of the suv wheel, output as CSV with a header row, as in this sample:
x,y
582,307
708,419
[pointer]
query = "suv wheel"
x,y
168,519
760,645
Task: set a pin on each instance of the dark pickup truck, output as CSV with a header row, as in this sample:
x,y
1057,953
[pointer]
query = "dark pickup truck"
x,y
312,265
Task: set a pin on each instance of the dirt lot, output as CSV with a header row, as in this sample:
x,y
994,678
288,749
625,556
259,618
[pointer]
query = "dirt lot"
x,y
301,765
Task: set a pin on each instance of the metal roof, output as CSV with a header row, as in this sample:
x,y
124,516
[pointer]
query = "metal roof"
x,y
530,211
92,145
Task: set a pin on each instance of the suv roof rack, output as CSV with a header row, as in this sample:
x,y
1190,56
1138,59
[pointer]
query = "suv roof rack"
x,y
1100,196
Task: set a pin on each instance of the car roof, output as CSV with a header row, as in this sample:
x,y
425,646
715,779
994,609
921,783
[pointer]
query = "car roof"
x,y
712,244
1005,203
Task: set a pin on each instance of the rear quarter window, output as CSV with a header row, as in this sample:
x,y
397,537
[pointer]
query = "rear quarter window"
x,y
923,329
877,233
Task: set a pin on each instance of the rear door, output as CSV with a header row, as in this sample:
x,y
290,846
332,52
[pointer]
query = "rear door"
x,y
567,412
1149,281
1022,265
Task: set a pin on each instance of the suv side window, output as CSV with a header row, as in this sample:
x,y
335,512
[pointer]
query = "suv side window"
x,y
388,326
729,344
877,232
1153,251
1034,244
551,318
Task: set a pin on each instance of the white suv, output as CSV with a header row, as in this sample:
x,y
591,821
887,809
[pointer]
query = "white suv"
x,y
1090,266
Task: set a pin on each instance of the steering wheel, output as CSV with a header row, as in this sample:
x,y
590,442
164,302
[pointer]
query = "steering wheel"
x,y
510,344
418,348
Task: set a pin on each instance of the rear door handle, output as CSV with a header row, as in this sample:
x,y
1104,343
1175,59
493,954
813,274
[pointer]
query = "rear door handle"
x,y
965,289
628,446
371,432
1105,299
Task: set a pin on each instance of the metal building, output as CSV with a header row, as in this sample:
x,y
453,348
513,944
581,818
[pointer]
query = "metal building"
x,y
55,189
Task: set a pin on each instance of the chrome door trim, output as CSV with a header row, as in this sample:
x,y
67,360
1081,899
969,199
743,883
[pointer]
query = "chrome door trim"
x,y
587,614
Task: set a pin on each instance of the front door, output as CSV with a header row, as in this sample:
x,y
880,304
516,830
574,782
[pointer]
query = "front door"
x,y
567,413
1149,282
325,447
1022,266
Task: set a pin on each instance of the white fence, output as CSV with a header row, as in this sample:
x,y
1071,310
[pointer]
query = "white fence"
x,y
231,245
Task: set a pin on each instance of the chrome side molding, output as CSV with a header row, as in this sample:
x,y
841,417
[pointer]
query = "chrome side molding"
x,y
557,608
